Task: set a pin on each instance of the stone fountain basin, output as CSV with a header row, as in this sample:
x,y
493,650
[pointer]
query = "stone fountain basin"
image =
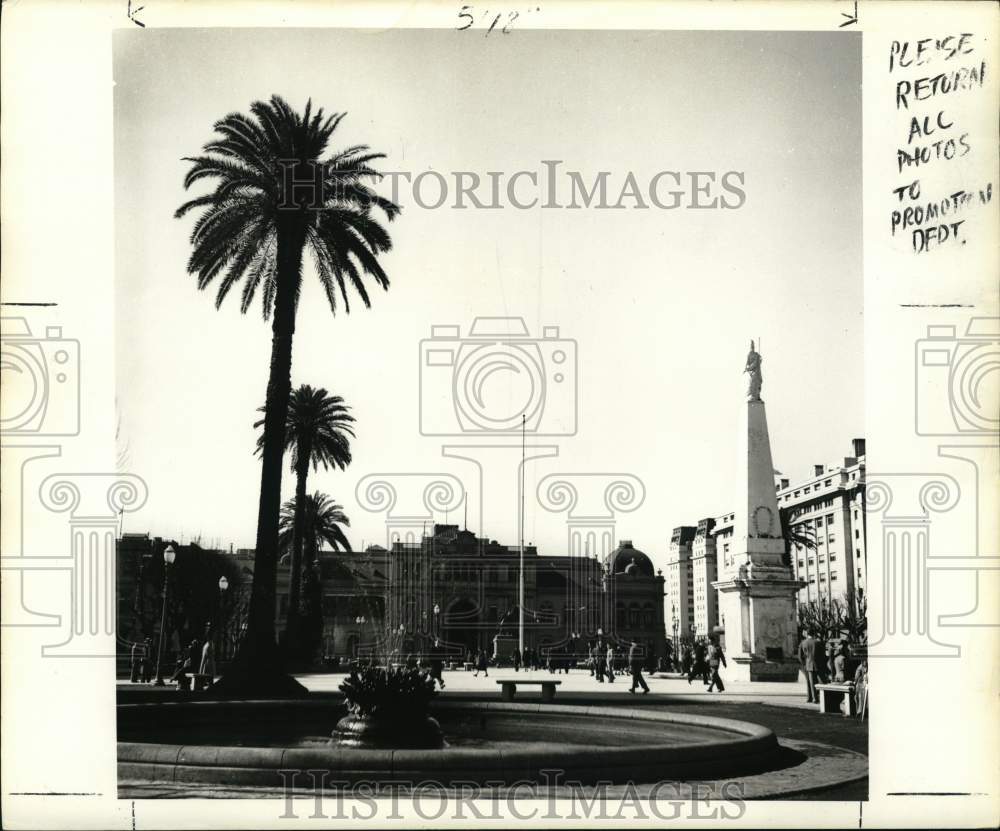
x,y
250,743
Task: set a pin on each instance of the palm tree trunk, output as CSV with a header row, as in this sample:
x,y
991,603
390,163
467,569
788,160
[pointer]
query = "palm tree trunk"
x,y
258,666
298,533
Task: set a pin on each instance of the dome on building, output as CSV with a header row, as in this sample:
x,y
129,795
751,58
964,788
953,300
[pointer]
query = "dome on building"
x,y
628,559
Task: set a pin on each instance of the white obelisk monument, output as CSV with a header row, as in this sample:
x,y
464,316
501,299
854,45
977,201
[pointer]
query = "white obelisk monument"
x,y
756,589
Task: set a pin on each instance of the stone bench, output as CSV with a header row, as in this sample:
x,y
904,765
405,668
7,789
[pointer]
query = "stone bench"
x,y
837,698
508,688
201,681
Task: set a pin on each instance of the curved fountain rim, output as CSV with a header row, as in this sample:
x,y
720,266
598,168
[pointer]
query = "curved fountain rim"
x,y
749,740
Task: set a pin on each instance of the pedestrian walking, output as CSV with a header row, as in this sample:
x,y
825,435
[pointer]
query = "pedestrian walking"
x,y
611,663
482,664
135,668
147,661
807,657
208,661
698,664
839,662
635,665
861,688
437,663
820,659
516,659
716,657
600,662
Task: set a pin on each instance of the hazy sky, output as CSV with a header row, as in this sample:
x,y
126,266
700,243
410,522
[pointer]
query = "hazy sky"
x,y
661,303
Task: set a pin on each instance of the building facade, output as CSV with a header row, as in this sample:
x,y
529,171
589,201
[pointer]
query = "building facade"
x,y
704,572
829,508
680,583
464,591
452,586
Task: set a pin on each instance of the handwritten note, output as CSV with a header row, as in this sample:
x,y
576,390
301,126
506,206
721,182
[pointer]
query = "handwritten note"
x,y
502,21
933,77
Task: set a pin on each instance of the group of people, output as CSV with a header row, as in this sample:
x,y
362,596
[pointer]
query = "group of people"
x,y
824,663
531,659
702,660
141,667
606,662
197,658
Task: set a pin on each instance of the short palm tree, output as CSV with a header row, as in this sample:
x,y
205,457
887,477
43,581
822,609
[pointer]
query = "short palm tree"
x,y
796,536
254,227
317,519
318,431
323,523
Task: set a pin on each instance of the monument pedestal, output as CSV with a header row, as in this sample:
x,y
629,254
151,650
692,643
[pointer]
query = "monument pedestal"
x,y
761,640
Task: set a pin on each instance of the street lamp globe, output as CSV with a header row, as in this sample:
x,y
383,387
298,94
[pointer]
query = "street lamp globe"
x,y
223,583
437,609
169,555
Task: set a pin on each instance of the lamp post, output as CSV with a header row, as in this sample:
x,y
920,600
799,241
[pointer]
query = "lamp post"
x,y
169,555
220,618
677,646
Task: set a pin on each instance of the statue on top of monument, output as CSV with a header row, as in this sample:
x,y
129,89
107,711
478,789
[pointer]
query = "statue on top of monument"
x,y
756,378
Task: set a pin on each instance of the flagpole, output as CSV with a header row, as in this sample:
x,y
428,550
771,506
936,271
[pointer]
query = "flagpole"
x,y
520,604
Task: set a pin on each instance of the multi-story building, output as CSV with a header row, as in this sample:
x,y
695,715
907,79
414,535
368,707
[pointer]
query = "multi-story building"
x,y
680,616
465,591
704,572
828,508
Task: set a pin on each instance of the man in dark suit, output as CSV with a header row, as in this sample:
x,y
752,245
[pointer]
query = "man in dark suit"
x,y
715,657
635,659
807,657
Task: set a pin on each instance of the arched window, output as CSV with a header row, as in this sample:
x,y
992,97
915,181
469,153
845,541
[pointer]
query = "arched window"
x,y
633,615
647,615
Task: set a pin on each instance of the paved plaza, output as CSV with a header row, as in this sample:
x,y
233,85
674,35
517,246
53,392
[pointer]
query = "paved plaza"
x,y
580,682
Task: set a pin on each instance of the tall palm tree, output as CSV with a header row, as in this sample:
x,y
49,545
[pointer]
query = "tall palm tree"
x,y
318,430
254,227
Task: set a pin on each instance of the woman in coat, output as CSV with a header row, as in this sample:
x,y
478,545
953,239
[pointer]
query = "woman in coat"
x,y
482,664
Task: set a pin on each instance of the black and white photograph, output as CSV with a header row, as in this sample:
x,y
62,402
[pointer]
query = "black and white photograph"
x,y
465,411
479,427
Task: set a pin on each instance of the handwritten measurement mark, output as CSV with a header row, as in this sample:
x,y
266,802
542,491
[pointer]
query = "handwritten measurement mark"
x,y
467,16
132,14
851,19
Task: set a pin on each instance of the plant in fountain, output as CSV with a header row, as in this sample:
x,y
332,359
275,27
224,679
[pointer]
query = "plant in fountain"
x,y
388,707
